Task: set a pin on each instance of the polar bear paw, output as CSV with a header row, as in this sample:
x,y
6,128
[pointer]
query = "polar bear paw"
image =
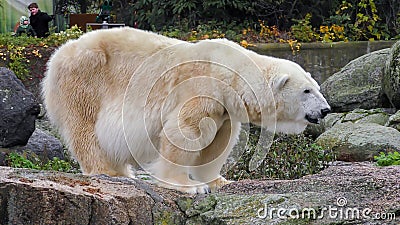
x,y
218,183
195,188
201,189
184,184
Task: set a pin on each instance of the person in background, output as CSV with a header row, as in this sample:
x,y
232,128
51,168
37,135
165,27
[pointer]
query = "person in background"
x,y
39,20
25,28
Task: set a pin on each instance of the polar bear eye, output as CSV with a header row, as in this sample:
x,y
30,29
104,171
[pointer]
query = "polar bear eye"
x,y
307,91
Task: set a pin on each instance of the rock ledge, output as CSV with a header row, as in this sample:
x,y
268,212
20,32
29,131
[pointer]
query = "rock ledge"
x,y
40,197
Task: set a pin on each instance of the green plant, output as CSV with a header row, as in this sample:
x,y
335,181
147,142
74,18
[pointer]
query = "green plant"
x,y
366,19
20,161
303,30
389,159
56,39
33,162
57,164
18,61
288,157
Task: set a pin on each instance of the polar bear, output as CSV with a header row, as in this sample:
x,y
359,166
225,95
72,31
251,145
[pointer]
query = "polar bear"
x,y
124,98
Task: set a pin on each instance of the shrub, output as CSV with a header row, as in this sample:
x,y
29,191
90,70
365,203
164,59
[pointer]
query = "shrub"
x,y
154,15
361,20
289,157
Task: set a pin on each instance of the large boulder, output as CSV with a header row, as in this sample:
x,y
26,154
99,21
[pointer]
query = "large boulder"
x,y
18,110
360,191
358,84
391,76
359,141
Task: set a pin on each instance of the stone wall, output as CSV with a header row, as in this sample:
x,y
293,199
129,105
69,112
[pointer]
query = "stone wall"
x,y
322,59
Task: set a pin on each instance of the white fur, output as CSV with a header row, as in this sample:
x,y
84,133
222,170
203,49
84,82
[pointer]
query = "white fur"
x,y
124,97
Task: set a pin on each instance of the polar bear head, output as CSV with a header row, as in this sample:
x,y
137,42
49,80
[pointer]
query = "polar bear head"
x,y
297,96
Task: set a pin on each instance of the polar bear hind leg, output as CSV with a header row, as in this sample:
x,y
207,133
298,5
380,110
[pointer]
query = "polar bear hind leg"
x,y
72,102
91,157
94,160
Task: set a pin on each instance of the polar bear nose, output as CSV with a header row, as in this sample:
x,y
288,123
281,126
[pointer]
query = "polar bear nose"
x,y
325,111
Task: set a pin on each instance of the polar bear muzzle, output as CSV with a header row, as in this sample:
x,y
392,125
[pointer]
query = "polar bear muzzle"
x,y
316,119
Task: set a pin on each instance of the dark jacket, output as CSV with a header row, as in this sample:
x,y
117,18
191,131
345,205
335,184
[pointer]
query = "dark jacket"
x,y
40,23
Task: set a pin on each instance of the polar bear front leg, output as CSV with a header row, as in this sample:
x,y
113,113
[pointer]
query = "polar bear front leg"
x,y
187,132
179,147
212,158
171,169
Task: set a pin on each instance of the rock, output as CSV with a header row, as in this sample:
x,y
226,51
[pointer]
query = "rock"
x,y
29,197
32,197
391,76
358,84
394,121
348,187
42,145
18,109
3,155
379,116
359,141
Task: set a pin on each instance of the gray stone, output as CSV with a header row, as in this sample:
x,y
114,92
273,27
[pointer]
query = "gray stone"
x,y
44,197
391,76
358,84
42,145
18,109
394,121
379,118
359,141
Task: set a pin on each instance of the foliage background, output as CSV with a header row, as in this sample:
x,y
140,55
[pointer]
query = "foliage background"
x,y
185,15
360,19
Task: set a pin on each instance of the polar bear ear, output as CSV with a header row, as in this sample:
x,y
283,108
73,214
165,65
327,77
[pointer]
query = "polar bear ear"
x,y
313,81
280,81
